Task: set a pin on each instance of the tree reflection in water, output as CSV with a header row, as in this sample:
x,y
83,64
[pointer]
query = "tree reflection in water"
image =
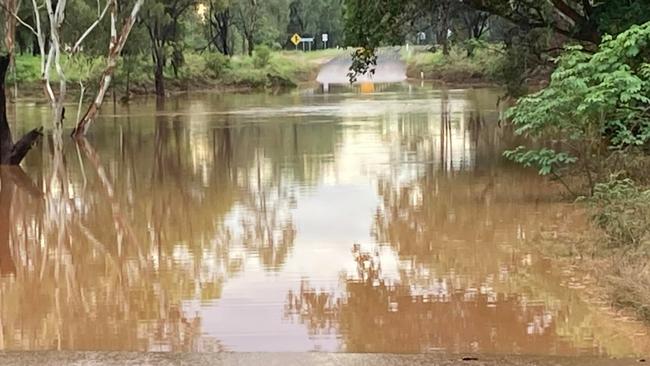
x,y
106,258
380,315
101,252
70,268
175,230
455,221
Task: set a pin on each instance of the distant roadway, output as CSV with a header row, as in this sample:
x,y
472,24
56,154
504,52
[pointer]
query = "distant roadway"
x,y
390,69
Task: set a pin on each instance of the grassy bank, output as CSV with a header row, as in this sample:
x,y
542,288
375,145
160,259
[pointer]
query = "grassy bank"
x,y
482,65
476,64
621,211
266,69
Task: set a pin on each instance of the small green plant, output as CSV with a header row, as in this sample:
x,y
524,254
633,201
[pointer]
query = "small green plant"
x,y
262,56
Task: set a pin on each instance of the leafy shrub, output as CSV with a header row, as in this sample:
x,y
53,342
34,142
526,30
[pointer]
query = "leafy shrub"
x,y
216,63
192,65
594,105
262,56
137,67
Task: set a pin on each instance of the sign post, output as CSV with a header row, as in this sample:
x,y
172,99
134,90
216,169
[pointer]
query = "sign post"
x,y
325,38
296,39
309,42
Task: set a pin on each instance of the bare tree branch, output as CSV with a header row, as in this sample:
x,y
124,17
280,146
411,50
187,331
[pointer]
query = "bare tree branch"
x,y
19,19
114,50
100,17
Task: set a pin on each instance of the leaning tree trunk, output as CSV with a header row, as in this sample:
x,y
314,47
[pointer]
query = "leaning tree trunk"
x,y
10,153
114,50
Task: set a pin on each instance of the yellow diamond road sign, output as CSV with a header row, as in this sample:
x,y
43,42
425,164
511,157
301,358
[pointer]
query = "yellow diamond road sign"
x,y
295,39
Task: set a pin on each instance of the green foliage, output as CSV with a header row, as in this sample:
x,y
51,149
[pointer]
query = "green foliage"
x,y
216,63
546,160
261,56
83,68
28,69
137,68
200,70
523,55
595,104
615,16
364,61
323,16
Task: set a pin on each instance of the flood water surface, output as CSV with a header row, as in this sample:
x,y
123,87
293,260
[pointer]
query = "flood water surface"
x,y
342,222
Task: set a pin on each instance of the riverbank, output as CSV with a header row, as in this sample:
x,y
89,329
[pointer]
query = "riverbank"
x,y
290,359
483,65
266,69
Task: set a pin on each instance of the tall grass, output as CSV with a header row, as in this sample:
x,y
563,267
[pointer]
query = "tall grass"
x,y
621,210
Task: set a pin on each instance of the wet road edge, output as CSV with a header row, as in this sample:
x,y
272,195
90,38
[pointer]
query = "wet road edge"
x,y
291,359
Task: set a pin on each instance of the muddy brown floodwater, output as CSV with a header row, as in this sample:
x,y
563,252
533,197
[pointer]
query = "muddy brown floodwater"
x,y
342,222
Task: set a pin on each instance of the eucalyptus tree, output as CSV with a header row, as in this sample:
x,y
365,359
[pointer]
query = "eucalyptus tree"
x,y
162,18
248,17
296,23
49,33
116,44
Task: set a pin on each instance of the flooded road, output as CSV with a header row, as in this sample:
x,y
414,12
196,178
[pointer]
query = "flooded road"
x,y
340,222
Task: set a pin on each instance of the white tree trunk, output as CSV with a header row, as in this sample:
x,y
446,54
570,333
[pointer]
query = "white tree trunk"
x,y
56,16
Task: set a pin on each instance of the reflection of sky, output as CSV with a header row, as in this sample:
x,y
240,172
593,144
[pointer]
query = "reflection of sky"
x,y
328,221
330,217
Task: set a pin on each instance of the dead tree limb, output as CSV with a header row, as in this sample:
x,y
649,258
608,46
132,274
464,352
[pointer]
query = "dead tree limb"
x,y
10,153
